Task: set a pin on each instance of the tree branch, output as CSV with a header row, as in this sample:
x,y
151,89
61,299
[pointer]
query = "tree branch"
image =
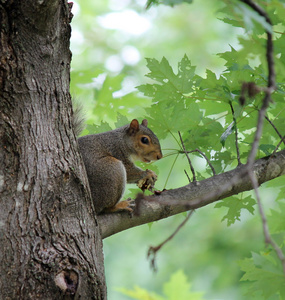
x,y
152,251
194,195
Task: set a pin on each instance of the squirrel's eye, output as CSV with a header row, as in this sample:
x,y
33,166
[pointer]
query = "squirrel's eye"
x,y
144,140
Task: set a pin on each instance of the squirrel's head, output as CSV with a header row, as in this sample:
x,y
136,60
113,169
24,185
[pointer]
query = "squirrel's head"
x,y
145,143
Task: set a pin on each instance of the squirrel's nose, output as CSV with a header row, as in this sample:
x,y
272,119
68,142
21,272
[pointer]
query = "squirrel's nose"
x,y
159,156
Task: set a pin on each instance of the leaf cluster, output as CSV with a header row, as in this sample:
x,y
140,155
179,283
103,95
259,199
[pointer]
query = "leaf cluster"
x,y
209,113
177,287
263,270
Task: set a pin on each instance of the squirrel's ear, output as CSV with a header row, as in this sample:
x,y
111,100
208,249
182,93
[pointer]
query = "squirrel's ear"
x,y
134,127
144,122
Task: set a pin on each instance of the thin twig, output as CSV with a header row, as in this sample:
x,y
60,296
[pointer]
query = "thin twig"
x,y
276,148
279,134
236,134
187,176
268,238
188,158
153,250
206,158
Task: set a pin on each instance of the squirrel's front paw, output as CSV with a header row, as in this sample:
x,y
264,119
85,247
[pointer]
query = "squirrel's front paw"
x,y
147,182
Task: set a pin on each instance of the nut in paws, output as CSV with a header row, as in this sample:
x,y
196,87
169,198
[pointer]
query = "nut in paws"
x,y
147,182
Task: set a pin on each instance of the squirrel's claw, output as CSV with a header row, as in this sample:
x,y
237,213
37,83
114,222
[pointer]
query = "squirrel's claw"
x,y
131,205
147,182
126,205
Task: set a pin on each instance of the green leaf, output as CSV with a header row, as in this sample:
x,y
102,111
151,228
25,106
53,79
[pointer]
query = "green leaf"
x,y
121,120
93,129
264,272
276,219
267,149
245,17
178,287
235,205
162,72
140,294
227,132
104,126
250,17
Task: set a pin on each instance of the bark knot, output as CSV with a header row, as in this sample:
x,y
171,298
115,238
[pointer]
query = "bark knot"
x,y
67,281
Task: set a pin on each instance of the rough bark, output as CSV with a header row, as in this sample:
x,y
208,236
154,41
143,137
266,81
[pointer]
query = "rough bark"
x,y
51,246
50,242
193,195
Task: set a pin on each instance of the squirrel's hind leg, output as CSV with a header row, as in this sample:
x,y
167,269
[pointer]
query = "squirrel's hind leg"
x,y
107,183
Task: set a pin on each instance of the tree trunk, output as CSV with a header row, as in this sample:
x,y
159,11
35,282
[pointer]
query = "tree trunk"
x,y
51,247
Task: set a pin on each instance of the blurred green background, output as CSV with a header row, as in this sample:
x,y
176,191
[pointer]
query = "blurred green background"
x,y
110,40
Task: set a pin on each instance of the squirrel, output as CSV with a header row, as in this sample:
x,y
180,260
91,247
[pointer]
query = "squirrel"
x,y
109,162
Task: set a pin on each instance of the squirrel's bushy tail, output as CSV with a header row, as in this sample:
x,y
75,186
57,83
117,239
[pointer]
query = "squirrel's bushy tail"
x,y
78,119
